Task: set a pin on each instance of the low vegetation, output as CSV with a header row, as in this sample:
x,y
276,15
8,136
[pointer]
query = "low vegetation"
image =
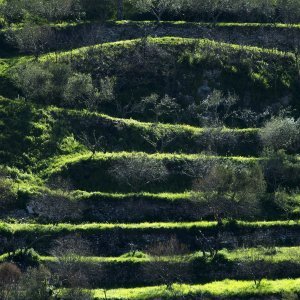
x,y
149,149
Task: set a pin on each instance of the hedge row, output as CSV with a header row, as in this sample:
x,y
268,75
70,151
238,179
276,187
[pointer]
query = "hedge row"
x,y
129,273
74,35
94,173
241,10
117,239
78,207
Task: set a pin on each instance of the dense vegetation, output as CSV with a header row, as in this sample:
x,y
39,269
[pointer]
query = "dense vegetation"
x,y
149,149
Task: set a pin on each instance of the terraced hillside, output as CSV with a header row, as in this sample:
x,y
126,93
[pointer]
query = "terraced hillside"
x,y
149,149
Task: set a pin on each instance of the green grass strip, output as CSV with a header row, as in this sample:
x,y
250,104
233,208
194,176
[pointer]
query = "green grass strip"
x,y
225,289
205,24
55,228
146,125
58,163
272,255
170,41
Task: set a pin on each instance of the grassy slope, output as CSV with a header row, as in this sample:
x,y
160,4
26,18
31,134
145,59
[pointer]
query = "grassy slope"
x,y
226,288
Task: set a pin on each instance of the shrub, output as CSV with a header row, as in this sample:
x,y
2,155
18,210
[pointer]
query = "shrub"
x,y
56,207
157,7
8,197
281,134
281,170
229,190
9,273
138,172
35,284
34,81
51,10
80,92
32,39
42,82
25,258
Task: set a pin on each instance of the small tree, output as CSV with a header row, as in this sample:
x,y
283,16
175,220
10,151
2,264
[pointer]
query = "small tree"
x,y
255,265
107,87
162,271
56,207
287,203
54,10
211,245
217,140
32,39
93,142
230,191
157,7
80,92
8,197
36,11
69,267
42,82
162,107
279,170
281,134
12,10
217,108
36,283
34,81
215,8
137,172
120,9
159,138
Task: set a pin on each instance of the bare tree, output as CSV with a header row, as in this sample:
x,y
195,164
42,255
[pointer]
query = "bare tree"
x,y
69,266
197,168
217,107
211,245
255,265
157,7
137,172
120,9
164,271
55,207
93,142
229,190
170,247
159,138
